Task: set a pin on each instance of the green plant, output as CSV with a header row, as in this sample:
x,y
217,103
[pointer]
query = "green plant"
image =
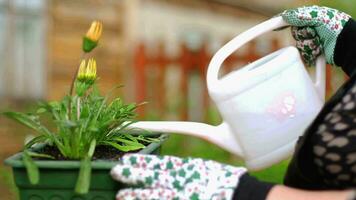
x,y
82,120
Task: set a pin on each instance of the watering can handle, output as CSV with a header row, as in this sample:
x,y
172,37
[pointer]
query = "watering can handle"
x,y
269,25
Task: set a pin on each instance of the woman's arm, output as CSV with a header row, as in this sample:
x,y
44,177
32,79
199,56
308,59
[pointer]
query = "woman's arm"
x,y
249,188
280,192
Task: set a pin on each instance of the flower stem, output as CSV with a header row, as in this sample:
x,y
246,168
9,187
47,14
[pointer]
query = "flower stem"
x,y
72,86
78,108
75,75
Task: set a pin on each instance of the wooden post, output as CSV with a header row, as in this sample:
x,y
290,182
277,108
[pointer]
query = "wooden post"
x,y
184,61
229,62
275,44
202,63
140,61
161,62
251,49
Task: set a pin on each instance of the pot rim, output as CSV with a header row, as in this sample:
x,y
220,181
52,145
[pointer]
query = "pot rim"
x,y
16,162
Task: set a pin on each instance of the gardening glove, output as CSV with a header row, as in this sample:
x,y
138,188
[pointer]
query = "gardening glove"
x,y
168,177
316,30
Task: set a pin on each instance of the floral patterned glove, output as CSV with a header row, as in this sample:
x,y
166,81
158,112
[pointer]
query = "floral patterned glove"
x,y
310,24
168,177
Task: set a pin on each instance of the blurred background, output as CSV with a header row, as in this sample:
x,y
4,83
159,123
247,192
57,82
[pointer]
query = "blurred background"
x,y
159,49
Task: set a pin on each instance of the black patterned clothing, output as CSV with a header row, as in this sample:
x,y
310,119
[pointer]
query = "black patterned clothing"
x,y
325,156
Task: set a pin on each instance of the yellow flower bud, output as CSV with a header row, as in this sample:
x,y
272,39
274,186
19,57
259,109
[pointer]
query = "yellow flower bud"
x,y
90,40
82,70
87,72
91,69
95,31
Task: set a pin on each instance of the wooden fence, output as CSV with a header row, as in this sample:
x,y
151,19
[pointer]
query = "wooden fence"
x,y
189,61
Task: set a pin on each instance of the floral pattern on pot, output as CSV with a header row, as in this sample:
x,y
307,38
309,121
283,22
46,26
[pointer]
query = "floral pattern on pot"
x,y
168,177
327,23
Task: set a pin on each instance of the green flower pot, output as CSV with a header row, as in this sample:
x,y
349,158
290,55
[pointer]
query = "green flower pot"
x,y
58,178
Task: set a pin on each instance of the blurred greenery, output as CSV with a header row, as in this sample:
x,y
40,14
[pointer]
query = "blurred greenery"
x,y
6,180
17,133
346,6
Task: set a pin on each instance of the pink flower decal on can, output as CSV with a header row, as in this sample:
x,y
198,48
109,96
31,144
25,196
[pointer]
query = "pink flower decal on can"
x,y
283,106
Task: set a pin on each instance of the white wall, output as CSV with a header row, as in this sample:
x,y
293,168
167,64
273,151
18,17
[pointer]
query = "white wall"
x,y
22,49
172,24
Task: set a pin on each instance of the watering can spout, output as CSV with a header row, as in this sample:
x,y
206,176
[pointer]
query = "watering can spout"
x,y
220,135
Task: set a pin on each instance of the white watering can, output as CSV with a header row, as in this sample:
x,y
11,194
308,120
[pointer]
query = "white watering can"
x,y
265,106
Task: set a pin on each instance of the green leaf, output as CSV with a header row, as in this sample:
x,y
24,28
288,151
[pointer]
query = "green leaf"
x,y
41,110
131,107
105,100
129,142
83,182
119,129
82,87
148,139
52,108
38,139
31,168
30,121
121,147
24,119
92,148
129,136
69,123
40,155
54,104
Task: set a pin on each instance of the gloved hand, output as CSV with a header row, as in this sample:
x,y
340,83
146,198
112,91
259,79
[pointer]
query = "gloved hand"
x,y
316,30
168,177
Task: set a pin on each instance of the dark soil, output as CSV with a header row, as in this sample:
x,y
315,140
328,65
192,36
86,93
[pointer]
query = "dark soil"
x,y
101,152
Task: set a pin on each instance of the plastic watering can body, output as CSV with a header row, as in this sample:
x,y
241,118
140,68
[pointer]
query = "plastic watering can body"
x,y
267,115
265,106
